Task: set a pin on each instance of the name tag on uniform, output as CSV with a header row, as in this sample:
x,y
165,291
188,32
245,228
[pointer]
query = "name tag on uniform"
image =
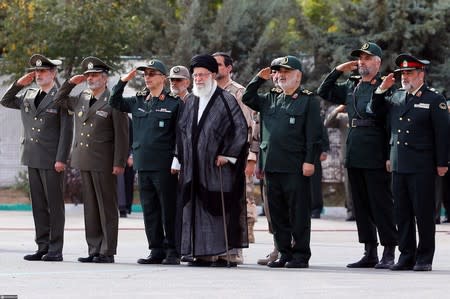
x,y
163,110
422,105
103,114
161,124
53,111
292,120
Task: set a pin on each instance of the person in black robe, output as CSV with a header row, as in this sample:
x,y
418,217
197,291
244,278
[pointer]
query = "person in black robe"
x,y
212,150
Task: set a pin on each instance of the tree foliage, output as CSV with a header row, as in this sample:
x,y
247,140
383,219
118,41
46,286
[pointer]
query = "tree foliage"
x,y
252,31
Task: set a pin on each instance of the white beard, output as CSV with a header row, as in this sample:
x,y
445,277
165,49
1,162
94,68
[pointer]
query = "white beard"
x,y
203,91
287,83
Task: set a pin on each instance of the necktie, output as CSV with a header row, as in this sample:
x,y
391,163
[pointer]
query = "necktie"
x,y
39,98
92,101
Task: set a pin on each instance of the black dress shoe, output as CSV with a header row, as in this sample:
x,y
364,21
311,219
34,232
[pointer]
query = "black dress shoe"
x,y
402,267
220,263
315,214
35,256
199,263
171,260
422,267
150,260
385,264
52,257
278,263
104,259
364,262
295,263
186,258
88,259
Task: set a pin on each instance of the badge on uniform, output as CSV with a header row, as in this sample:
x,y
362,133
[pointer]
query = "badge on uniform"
x,y
161,124
443,106
52,111
27,107
422,105
103,114
80,113
292,120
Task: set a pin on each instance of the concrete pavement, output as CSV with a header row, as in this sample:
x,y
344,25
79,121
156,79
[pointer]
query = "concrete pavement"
x,y
333,244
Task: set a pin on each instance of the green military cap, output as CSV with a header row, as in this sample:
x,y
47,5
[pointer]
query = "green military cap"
x,y
156,65
288,62
407,62
93,64
40,62
368,48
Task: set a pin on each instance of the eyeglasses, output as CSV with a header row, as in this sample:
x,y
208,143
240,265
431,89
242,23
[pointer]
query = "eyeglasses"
x,y
200,75
151,74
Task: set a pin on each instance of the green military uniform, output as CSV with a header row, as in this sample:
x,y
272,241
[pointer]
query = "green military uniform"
x,y
291,132
418,145
47,139
154,128
101,143
366,157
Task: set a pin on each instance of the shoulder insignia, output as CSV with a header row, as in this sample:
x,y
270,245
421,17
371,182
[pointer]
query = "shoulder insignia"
x,y
276,90
433,90
355,77
443,106
307,92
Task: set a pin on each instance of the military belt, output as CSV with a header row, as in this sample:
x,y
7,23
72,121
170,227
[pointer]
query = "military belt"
x,y
356,122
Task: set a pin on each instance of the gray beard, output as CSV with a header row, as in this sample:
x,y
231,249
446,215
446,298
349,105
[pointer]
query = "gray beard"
x,y
203,91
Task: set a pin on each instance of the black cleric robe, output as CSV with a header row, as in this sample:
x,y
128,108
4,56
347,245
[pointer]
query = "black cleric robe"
x,y
221,130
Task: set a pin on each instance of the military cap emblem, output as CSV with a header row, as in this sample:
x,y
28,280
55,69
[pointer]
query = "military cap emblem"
x,y
152,62
90,66
405,63
365,46
443,106
176,69
38,62
284,60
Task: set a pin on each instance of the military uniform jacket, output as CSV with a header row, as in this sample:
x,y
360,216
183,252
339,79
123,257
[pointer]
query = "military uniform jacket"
x,y
366,145
101,132
47,128
154,126
291,127
419,129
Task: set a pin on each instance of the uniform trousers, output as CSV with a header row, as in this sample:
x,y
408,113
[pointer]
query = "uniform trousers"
x,y
101,215
316,188
414,201
46,188
373,205
290,211
158,191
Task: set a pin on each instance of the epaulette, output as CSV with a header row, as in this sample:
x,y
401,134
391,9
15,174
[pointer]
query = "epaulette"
x,y
276,90
143,93
355,78
307,92
433,90
175,96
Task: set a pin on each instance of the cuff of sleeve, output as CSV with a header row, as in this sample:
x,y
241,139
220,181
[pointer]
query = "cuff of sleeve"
x,y
251,156
175,164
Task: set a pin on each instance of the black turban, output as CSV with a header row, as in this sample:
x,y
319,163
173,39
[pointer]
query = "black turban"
x,y
206,61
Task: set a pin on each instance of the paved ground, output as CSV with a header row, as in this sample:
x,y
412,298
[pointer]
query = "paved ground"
x,y
333,246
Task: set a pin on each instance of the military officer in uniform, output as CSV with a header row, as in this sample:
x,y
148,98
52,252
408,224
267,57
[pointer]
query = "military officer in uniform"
x,y
46,146
180,80
291,136
418,151
100,152
155,114
366,155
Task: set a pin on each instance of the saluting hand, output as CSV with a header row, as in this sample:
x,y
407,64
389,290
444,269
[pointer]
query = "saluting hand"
x,y
265,73
348,66
129,76
26,79
308,169
77,79
388,81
